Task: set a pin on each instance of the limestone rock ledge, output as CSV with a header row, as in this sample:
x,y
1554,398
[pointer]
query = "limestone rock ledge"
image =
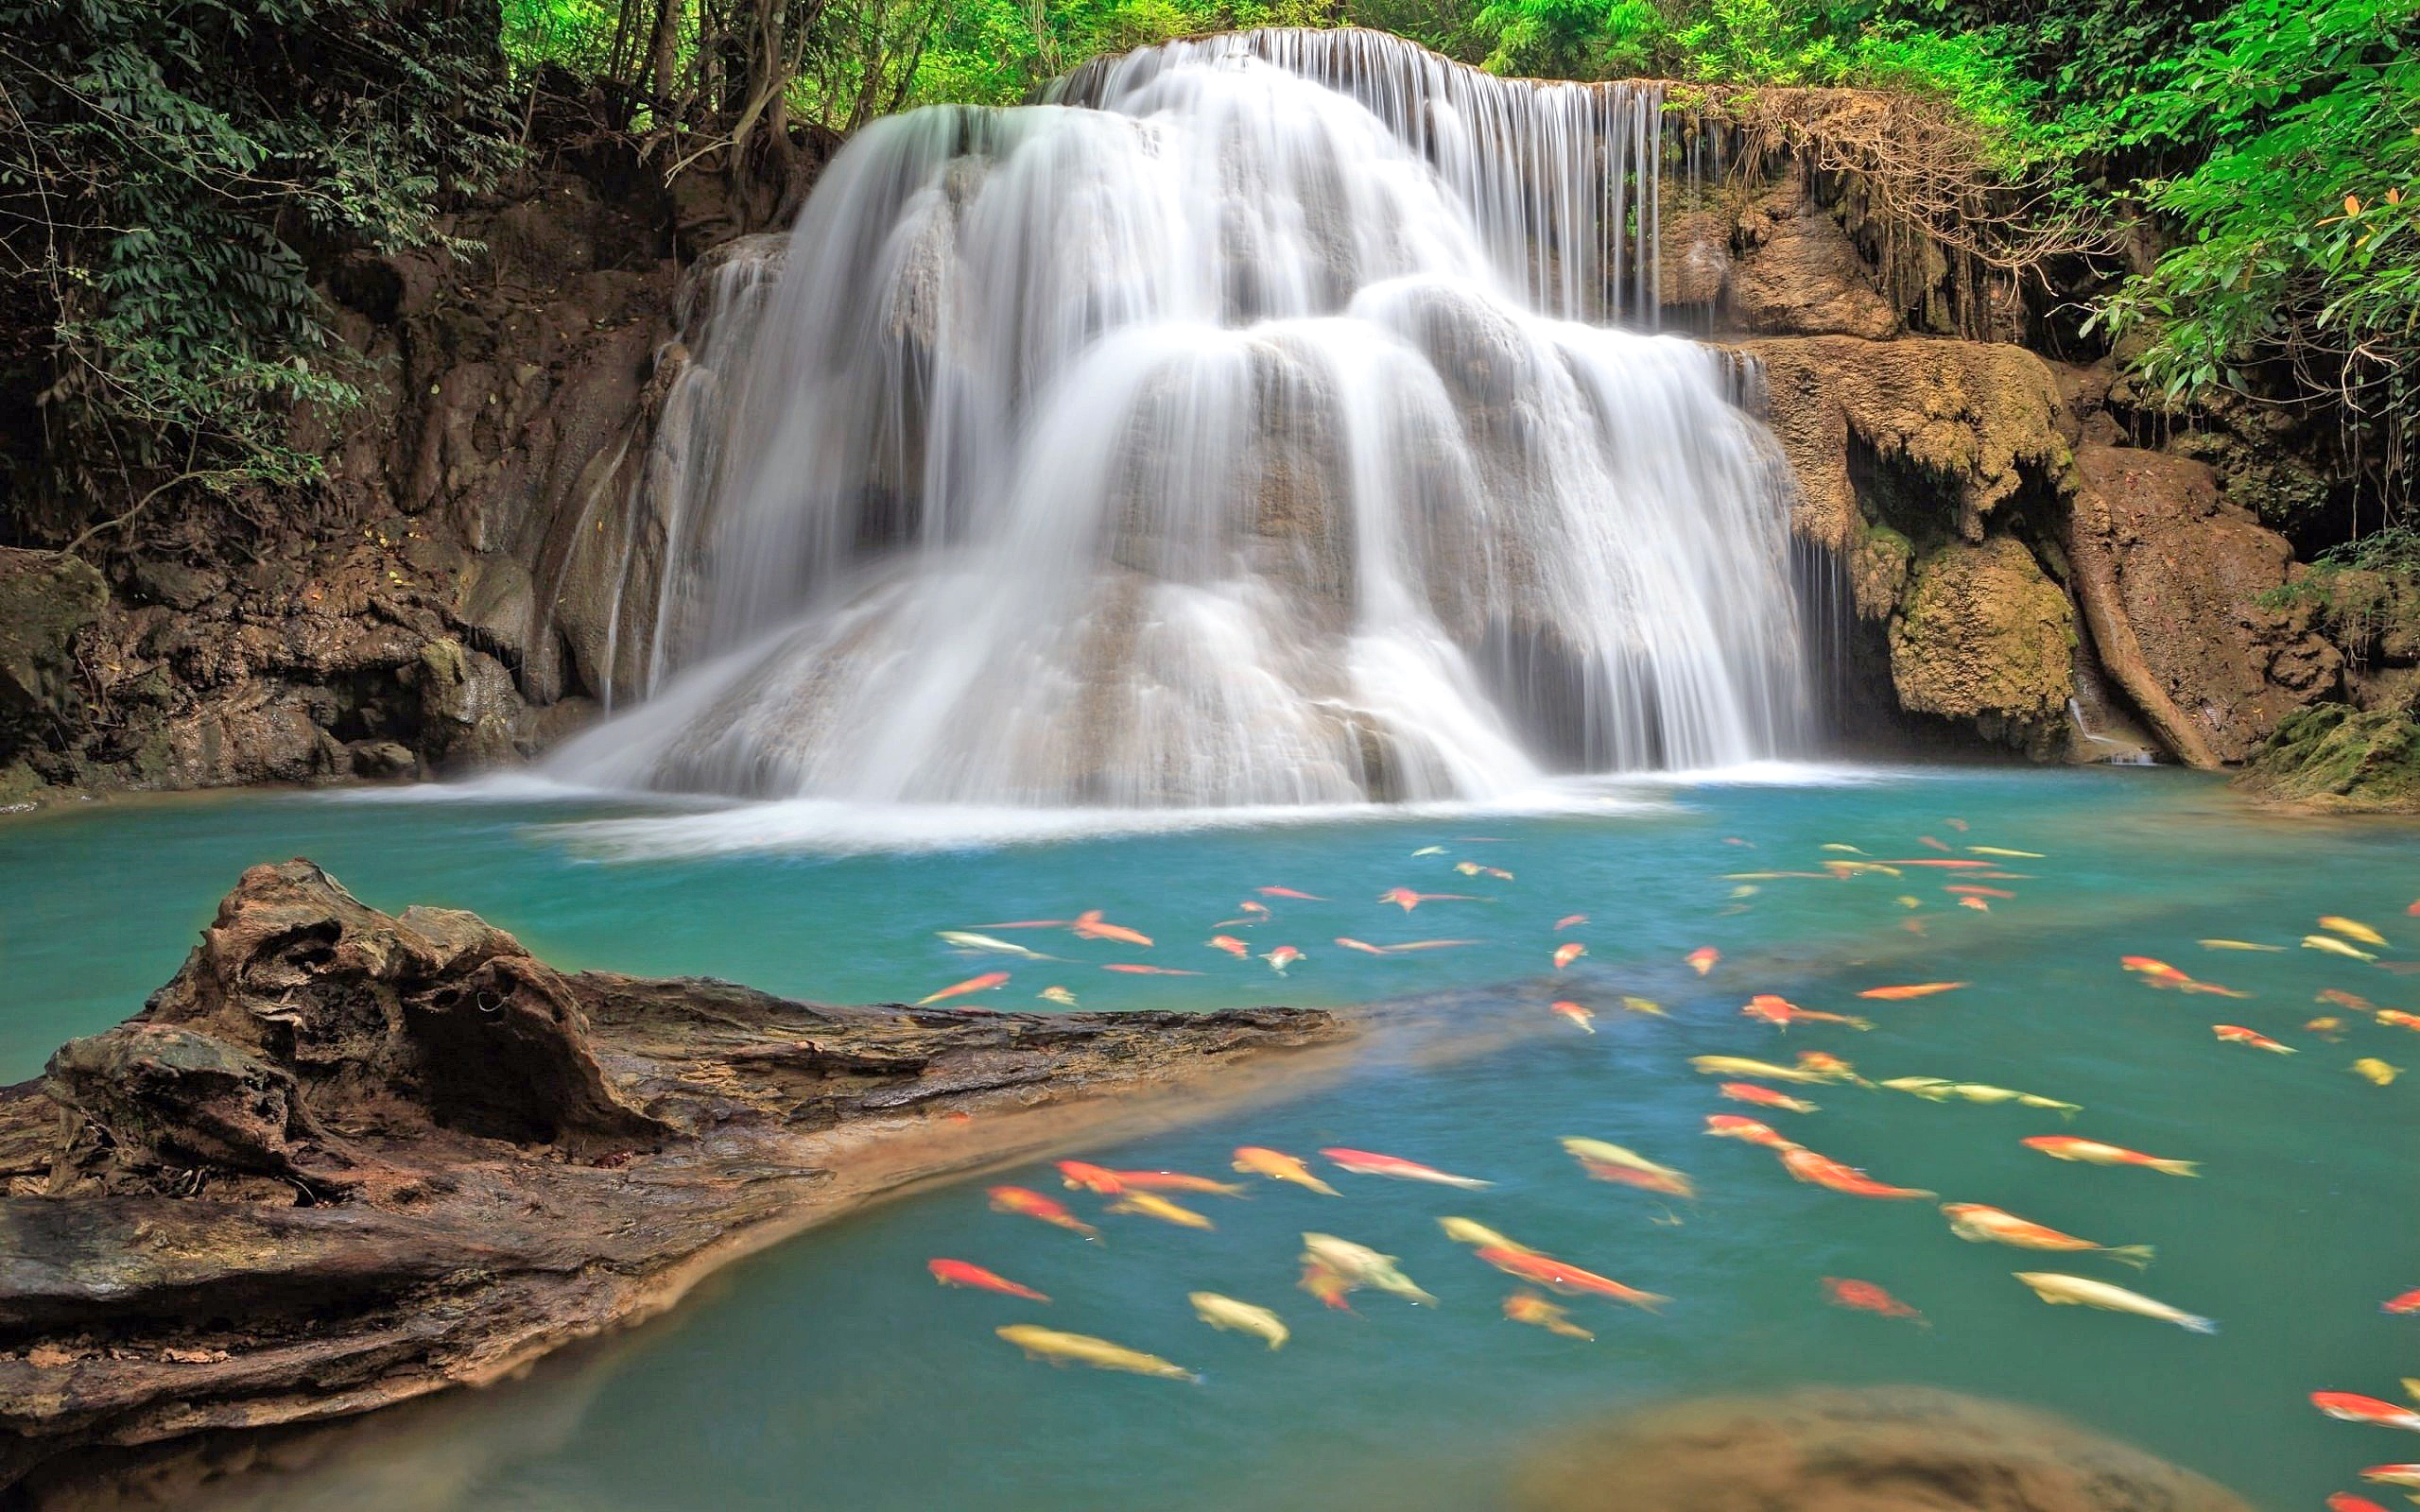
x,y
345,1159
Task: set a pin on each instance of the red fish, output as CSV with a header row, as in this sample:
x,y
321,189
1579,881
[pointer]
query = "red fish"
x,y
1732,1127
958,1272
1916,989
1976,903
1088,925
1132,969
1828,1065
2397,1019
2158,970
1566,953
1703,958
1027,1204
1326,1284
1229,944
2346,1000
2236,1033
1927,839
2347,1501
1545,1270
1407,900
1866,1297
1289,892
1783,1013
1748,1092
1978,892
1822,1171
1575,1013
1363,1163
1282,958
2408,1302
2354,1408
2407,1476
1429,945
1079,1176
1568,920
972,984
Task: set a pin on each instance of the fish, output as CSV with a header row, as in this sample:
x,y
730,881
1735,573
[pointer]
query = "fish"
x,y
1289,892
1784,1013
2092,1152
2326,1028
1744,890
1325,1283
1576,1014
1558,1276
1229,944
2378,1072
1612,1162
1961,865
1429,945
1279,1166
1059,1349
1430,850
2354,1408
1130,969
2151,966
965,939
1363,1163
1845,870
2351,929
985,982
1059,996
1909,901
1733,839
2235,945
2005,854
1477,1235
1175,1181
1960,825
1407,899
960,1273
2397,1019
1088,925
1744,1091
1027,1204
1468,868
1866,1297
1975,890
1732,1127
1639,1005
1822,1171
2407,1303
1226,1314
1834,845
2402,1476
2236,1033
1362,1266
1761,1069
1078,1175
2335,947
1570,920
1976,903
1363,946
1980,1224
2062,1291
1913,989
1151,1205
1927,839
1282,958
1528,1307
1702,959
2347,1501
2344,999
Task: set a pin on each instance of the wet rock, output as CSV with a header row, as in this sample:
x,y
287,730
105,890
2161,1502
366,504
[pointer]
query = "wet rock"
x,y
46,602
1893,1448
2336,757
1799,274
345,1159
1984,637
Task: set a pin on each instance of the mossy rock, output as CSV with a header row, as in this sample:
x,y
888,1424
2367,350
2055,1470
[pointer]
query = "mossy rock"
x,y
2333,756
1982,636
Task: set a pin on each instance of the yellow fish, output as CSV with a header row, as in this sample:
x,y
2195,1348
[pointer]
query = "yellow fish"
x,y
1850,849
1528,1307
1756,1069
1995,851
2334,947
1904,901
1644,1005
1057,994
1479,1236
2351,929
2235,945
1279,1166
1058,1348
1150,1206
2377,1071
1240,1318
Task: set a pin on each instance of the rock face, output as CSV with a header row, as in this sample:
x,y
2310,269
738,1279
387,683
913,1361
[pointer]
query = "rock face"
x,y
2335,757
345,1159
1797,273
1982,635
47,601
1892,1449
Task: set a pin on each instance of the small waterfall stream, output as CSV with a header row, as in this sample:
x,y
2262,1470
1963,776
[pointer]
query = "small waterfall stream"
x,y
1245,425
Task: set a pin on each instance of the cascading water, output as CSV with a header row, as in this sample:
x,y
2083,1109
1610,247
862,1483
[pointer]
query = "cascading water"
x,y
1233,430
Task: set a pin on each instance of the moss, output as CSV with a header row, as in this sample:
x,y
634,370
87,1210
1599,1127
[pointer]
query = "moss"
x,y
2334,756
1982,635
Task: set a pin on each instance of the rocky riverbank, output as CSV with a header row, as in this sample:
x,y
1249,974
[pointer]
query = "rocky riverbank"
x,y
346,1158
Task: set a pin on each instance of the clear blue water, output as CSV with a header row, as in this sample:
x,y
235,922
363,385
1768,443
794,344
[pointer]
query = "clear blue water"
x,y
832,1373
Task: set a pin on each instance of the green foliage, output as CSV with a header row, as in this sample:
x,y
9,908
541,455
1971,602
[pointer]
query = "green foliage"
x,y
177,168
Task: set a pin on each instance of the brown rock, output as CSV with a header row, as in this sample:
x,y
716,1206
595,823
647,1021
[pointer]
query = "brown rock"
x,y
1983,636
46,601
1799,274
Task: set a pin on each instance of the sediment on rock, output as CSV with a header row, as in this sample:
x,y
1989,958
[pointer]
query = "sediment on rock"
x,y
345,1159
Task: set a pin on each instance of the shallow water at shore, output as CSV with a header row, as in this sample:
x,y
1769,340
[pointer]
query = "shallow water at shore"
x,y
831,1372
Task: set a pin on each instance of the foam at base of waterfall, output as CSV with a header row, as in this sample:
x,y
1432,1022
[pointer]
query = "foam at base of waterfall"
x,y
1229,437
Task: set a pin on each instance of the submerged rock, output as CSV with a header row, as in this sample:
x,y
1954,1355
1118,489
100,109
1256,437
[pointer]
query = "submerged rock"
x,y
1892,1449
345,1159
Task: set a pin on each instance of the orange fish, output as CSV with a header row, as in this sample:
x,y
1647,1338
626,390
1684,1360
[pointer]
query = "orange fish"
x,y
1229,944
1079,1176
1732,1127
2347,1501
1088,925
1327,1283
1748,1092
1528,1307
2330,1030
1981,1224
1927,839
1576,1014
972,984
2353,1408
1175,1181
2157,969
1822,1171
2346,1000
1866,1297
2408,1302
1976,903
958,1272
1407,899
1289,892
1569,919
1783,1013
1703,958
2236,1033
1363,1163
1027,1204
1282,958
1545,1270
1132,969
2397,1019
2092,1152
1974,891
1566,953
1429,945
1829,1065
1363,946
1918,989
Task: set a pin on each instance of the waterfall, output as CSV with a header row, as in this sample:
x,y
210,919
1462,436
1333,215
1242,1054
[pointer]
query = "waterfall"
x,y
1244,424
